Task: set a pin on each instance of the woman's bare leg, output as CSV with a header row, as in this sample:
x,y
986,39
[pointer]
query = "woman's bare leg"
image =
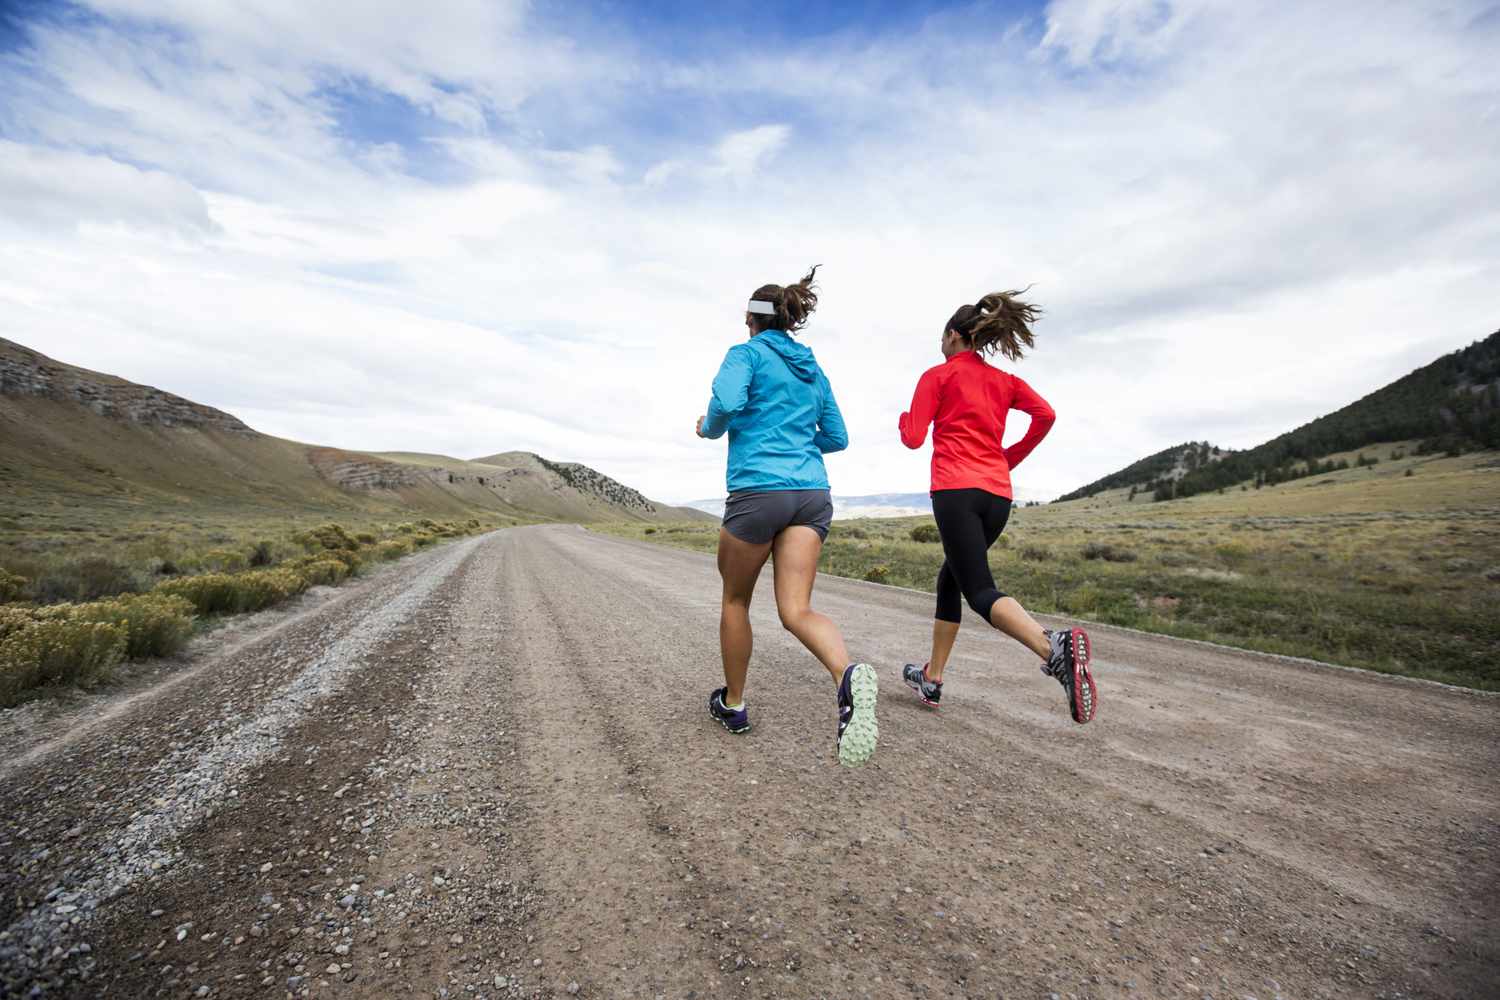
x,y
1008,616
740,563
796,567
943,636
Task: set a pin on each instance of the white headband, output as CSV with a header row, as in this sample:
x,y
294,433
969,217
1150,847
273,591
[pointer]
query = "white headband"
x,y
761,307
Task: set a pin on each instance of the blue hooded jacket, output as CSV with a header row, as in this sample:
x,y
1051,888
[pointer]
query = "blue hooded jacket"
x,y
780,412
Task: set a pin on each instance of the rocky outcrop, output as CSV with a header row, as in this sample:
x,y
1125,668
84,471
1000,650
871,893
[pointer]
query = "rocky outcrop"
x,y
353,471
596,484
24,372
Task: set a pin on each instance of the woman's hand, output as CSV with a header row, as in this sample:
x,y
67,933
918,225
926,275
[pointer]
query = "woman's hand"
x,y
699,428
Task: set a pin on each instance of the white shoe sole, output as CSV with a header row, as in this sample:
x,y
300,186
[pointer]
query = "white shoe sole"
x,y
858,742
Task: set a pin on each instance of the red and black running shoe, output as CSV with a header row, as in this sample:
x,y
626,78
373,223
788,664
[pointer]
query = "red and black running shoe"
x,y
931,692
1069,663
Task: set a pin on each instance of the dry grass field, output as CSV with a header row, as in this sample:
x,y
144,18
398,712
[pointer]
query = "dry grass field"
x,y
1392,567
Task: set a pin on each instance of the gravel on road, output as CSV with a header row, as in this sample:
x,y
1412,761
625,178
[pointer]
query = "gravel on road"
x,y
488,772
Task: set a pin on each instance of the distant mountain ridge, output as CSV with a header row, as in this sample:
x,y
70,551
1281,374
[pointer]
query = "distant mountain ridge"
x,y
1451,405
845,507
67,430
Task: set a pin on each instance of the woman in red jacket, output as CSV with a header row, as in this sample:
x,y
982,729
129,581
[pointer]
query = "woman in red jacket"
x,y
966,401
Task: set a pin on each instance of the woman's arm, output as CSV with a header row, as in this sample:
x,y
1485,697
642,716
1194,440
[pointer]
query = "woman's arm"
x,y
730,392
1025,399
832,434
924,404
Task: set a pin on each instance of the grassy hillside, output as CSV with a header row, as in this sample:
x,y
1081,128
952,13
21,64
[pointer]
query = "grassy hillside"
x,y
1168,464
1451,406
95,466
1369,566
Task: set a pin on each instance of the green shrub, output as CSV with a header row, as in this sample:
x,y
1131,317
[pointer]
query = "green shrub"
x,y
332,537
406,529
1035,553
365,538
208,593
223,561
394,549
878,573
650,531
1081,600
926,533
46,646
155,624
351,560
12,585
422,540
260,554
1107,552
322,572
86,579
267,587
228,593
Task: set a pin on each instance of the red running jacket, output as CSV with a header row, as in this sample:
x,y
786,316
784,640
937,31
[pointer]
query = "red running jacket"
x,y
966,400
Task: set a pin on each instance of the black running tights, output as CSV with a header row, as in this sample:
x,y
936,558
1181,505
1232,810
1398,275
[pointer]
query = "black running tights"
x,y
969,521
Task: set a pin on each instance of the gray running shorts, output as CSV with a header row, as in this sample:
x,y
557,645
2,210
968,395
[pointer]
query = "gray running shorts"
x,y
757,517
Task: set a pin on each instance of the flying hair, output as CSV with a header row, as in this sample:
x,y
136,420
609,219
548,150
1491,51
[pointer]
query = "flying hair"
x,y
793,304
1000,321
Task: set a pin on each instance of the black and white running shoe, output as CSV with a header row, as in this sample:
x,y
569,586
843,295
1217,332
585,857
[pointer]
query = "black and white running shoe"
x,y
931,692
1069,663
858,731
736,720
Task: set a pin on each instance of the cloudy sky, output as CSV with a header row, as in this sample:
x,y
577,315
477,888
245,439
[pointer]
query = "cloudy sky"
x,y
468,226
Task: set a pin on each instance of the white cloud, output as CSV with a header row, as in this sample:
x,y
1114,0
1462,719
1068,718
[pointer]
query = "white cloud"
x,y
451,58
61,189
737,157
1108,31
1237,217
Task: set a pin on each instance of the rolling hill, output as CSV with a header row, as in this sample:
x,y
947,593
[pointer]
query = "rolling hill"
x,y
1449,406
81,449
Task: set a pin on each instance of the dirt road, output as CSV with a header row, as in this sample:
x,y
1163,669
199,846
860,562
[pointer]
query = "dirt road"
x,y
488,772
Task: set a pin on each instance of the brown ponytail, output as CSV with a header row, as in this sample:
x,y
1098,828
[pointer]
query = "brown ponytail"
x,y
794,304
998,322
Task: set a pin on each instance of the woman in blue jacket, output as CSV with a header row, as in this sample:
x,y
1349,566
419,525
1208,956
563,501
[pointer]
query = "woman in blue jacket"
x,y
779,410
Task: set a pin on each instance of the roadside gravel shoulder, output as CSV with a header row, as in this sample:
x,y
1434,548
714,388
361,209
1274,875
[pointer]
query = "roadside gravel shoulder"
x,y
100,812
43,726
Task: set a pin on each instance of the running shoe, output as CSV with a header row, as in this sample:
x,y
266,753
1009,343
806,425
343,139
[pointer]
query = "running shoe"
x,y
736,720
931,692
1069,663
858,731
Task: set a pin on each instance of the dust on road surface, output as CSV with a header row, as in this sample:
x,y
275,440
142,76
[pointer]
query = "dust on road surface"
x,y
488,772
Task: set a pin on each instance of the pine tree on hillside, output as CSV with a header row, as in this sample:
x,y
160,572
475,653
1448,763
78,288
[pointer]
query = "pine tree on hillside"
x,y
1449,406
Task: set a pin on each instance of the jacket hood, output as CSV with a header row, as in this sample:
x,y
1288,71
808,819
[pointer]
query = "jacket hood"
x,y
798,357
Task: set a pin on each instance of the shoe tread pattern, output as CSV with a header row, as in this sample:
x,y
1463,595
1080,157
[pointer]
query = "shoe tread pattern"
x,y
858,742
